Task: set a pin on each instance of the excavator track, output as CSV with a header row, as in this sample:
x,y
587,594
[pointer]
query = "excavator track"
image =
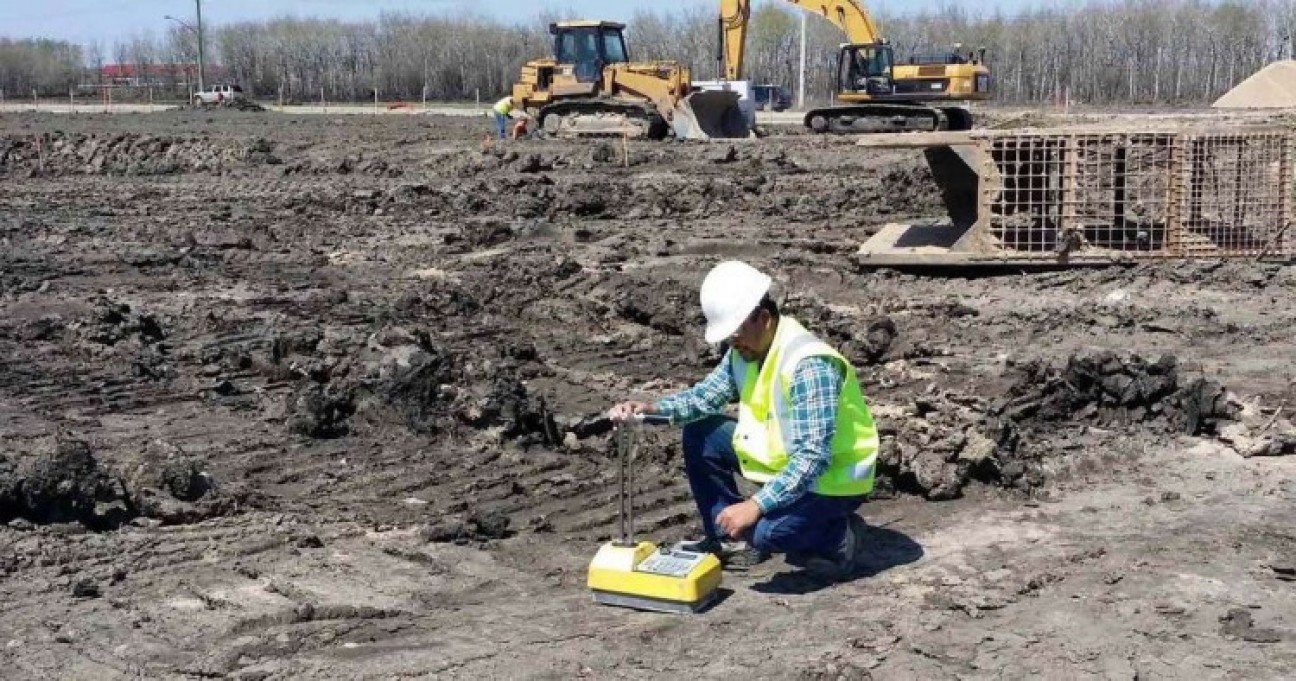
x,y
601,118
880,118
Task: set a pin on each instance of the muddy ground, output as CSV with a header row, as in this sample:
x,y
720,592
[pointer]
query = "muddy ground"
x,y
320,397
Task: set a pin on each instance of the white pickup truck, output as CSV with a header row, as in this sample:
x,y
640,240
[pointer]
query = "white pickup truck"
x,y
219,94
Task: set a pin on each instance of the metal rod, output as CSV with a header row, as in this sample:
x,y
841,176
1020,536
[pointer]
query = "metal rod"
x,y
621,484
630,466
622,447
627,446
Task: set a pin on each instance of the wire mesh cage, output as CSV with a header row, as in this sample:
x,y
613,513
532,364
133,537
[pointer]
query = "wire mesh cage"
x,y
1145,194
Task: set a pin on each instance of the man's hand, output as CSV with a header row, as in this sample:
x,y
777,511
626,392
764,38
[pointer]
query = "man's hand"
x,y
626,410
738,518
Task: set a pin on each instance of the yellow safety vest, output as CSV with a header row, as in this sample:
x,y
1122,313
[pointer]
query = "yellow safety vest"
x,y
504,106
761,438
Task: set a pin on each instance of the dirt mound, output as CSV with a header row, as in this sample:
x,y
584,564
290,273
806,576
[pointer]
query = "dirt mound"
x,y
940,442
65,482
174,486
239,104
1104,388
166,467
522,186
348,164
935,446
477,527
320,411
58,154
418,383
10,488
245,105
407,380
112,322
62,486
661,305
862,342
1272,87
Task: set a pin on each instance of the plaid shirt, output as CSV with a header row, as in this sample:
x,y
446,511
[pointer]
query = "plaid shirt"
x,y
816,384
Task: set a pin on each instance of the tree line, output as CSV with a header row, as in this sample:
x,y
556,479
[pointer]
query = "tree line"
x,y
43,66
1136,51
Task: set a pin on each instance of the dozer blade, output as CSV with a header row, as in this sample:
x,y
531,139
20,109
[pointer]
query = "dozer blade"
x,y
710,114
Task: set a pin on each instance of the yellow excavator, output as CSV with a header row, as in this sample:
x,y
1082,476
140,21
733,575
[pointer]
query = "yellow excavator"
x,y
590,88
876,93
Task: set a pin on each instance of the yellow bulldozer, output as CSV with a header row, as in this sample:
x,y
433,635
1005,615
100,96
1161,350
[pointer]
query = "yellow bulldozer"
x,y
876,93
591,88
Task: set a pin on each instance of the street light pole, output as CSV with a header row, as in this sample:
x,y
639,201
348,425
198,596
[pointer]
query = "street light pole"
x,y
198,33
202,84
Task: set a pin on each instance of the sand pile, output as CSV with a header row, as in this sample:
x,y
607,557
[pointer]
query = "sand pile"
x,y
1272,87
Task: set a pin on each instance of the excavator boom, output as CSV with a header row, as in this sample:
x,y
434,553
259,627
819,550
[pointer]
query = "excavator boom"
x,y
848,15
734,15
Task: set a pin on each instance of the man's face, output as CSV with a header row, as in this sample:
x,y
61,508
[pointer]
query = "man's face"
x,y
753,337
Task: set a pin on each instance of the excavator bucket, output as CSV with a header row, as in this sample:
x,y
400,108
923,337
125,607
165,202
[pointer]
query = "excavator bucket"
x,y
710,114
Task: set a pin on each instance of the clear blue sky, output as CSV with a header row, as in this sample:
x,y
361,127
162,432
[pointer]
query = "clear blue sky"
x,y
106,21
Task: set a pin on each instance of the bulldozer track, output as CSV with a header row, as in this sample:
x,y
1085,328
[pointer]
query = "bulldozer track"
x,y
636,120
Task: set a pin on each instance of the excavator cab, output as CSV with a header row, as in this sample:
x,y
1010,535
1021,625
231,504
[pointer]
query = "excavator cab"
x,y
588,48
866,69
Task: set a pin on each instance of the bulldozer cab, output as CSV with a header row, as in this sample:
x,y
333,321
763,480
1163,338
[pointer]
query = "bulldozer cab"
x,y
588,46
866,69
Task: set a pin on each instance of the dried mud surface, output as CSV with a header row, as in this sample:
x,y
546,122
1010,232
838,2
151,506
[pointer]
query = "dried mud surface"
x,y
320,397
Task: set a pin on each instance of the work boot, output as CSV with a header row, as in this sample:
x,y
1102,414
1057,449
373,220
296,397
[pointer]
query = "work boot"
x,y
736,556
843,562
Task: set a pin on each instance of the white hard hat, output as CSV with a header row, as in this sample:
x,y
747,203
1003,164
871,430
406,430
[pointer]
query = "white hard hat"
x,y
730,292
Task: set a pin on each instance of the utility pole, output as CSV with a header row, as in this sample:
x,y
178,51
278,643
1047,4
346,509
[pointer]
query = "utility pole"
x,y
202,83
198,34
801,79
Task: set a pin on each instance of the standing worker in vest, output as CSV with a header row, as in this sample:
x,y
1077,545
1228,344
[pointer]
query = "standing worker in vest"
x,y
803,432
502,110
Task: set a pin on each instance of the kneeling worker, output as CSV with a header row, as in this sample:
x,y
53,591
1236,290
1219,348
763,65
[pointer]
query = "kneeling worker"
x,y
803,432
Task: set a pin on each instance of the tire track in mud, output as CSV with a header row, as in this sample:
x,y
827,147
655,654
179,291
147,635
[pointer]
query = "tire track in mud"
x,y
163,569
131,556
432,633
571,494
62,394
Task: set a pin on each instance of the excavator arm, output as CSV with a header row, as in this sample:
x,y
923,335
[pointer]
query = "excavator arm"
x,y
734,15
848,15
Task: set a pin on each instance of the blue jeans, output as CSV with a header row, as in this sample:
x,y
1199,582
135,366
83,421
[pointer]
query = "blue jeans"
x,y
501,124
812,525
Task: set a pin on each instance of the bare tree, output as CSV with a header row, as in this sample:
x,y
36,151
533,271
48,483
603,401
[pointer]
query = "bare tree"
x,y
1154,51
46,67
